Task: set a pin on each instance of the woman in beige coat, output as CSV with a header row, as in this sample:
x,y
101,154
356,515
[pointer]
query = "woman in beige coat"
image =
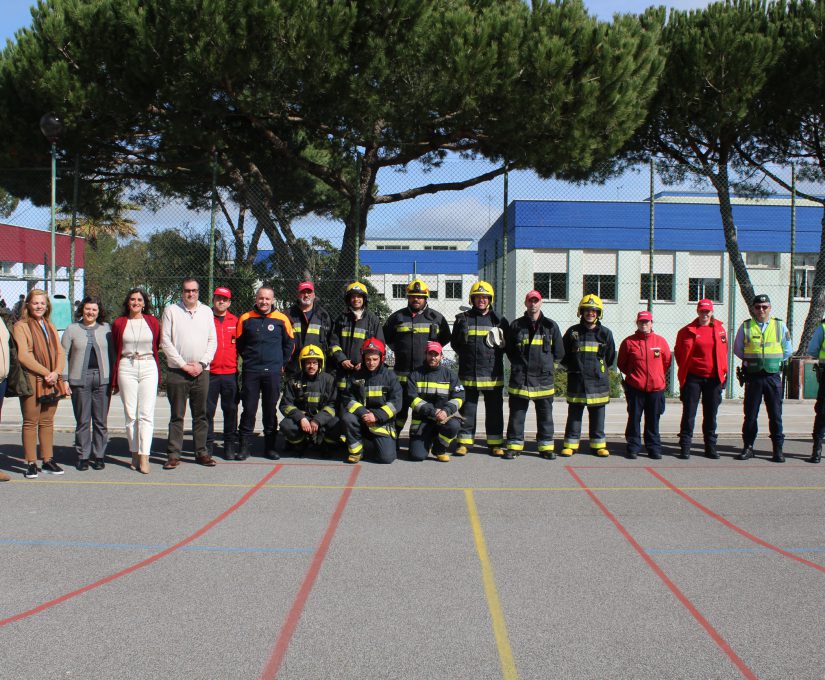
x,y
41,355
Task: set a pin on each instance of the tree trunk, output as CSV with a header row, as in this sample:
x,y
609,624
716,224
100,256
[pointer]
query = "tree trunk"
x,y
722,186
817,308
355,223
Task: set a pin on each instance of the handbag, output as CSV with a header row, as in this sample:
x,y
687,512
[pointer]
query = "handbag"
x,y
50,394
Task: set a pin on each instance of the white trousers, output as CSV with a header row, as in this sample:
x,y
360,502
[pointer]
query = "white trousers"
x,y
137,381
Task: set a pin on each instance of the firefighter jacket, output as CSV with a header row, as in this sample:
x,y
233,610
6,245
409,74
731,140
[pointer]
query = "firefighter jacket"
x,y
533,349
314,330
589,354
310,397
349,333
645,358
378,392
265,342
430,389
479,366
407,335
225,361
685,342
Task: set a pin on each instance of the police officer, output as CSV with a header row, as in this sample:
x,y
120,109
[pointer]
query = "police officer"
x,y
311,324
308,404
223,375
816,348
478,340
265,343
408,331
370,403
435,396
644,358
350,330
589,353
763,343
534,346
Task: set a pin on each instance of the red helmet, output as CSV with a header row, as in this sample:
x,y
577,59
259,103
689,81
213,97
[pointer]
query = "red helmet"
x,y
374,345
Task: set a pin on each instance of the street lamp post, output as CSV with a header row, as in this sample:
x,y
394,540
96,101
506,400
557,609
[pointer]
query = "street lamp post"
x,y
51,126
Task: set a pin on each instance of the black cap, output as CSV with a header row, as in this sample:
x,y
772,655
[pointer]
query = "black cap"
x,y
760,299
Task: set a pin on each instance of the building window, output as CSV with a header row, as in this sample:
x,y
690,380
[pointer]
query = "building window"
x,y
551,285
762,260
433,293
603,285
399,291
393,247
662,287
6,267
701,289
29,271
440,248
453,290
804,267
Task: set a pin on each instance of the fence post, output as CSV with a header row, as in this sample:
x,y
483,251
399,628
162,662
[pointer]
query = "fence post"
x,y
357,255
212,224
506,193
73,233
793,248
731,327
651,277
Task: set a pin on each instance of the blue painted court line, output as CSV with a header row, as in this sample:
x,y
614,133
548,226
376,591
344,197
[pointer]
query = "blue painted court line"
x,y
723,551
135,546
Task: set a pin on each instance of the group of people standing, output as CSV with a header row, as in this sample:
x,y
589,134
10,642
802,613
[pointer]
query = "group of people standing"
x,y
338,389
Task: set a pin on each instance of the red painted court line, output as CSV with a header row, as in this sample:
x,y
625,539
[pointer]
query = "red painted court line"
x,y
635,465
278,653
149,560
694,612
733,527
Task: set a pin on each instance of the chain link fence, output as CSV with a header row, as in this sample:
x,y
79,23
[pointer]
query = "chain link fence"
x,y
563,239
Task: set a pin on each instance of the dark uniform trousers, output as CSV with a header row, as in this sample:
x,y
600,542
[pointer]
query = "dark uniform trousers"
x,y
426,438
328,433
379,448
180,388
544,422
493,415
768,385
709,390
819,410
223,387
264,385
573,431
651,405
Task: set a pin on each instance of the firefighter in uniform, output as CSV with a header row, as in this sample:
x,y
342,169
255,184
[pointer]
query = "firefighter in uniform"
x,y
369,405
763,343
311,324
308,404
478,340
589,353
407,333
534,346
816,348
435,396
350,330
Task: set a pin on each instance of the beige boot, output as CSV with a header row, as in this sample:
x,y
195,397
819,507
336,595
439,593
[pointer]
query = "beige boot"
x,y
144,464
135,462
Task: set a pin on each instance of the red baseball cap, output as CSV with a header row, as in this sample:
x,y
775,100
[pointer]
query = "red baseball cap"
x,y
644,316
223,291
306,285
433,346
532,294
704,305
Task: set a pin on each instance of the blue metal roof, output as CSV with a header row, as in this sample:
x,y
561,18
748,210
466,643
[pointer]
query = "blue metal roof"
x,y
422,261
625,226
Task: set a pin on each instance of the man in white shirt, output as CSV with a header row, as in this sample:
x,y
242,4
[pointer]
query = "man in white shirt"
x,y
188,339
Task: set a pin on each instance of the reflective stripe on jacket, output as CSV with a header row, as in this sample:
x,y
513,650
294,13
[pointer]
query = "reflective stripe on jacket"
x,y
533,350
588,355
408,335
763,350
479,366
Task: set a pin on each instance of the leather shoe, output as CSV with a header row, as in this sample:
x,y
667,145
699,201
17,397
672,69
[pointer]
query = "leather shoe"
x,y
206,461
631,455
684,454
778,457
654,455
747,453
82,464
97,463
171,464
272,455
4,477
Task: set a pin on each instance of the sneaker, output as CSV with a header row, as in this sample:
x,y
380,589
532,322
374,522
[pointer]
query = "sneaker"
x,y
461,450
52,468
442,457
31,471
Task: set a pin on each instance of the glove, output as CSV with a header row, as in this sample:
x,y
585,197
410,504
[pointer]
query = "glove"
x,y
495,338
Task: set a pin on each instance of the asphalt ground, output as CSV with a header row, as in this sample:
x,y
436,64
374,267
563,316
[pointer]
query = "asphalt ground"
x,y
479,568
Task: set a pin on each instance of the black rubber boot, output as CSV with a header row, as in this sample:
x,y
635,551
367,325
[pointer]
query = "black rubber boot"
x,y
269,446
778,456
243,449
230,450
816,454
746,454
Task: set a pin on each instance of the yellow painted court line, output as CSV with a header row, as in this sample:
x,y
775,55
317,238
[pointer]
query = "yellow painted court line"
x,y
340,487
505,653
